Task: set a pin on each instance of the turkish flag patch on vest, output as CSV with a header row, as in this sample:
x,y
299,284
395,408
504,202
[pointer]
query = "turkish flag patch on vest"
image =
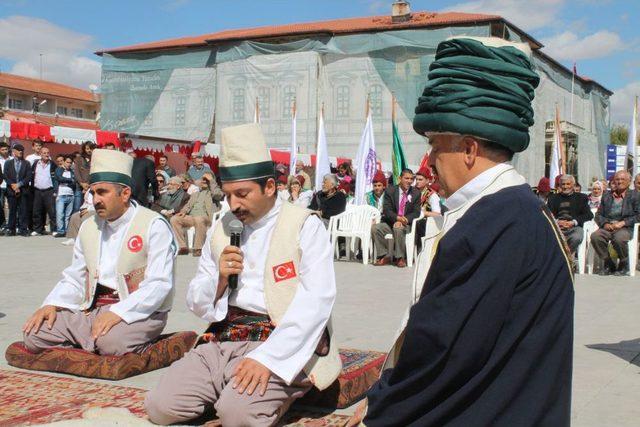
x,y
135,244
284,271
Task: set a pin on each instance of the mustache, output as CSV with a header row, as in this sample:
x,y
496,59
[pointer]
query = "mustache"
x,y
239,211
98,206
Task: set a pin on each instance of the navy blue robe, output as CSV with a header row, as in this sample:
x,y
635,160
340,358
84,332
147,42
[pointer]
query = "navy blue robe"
x,y
489,342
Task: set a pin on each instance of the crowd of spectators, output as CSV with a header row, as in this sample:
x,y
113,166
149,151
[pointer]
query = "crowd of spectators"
x,y
40,190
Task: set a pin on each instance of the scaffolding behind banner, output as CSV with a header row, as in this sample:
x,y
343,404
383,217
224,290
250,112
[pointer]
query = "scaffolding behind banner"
x,y
191,94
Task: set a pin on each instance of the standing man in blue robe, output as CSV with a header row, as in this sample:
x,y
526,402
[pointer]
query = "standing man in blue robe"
x,y
488,340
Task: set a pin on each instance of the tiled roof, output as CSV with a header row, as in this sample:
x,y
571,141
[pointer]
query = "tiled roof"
x,y
44,87
50,120
337,26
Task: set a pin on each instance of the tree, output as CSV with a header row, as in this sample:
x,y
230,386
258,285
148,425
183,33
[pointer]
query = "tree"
x,y
619,135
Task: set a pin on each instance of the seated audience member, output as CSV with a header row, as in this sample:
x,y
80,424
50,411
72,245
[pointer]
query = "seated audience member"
x,y
297,195
173,200
375,197
616,216
163,165
197,213
345,173
401,207
198,168
162,179
65,190
109,146
570,210
105,302
431,206
577,187
345,187
597,188
543,189
300,172
188,185
636,185
281,185
329,201
76,219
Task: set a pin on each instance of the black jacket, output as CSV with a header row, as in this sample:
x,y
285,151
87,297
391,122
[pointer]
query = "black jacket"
x,y
392,203
52,173
630,209
579,207
143,176
331,206
23,176
490,340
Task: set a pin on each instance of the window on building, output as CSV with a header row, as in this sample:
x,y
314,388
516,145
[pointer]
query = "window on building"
x,y
63,111
264,100
237,104
15,104
181,111
375,100
288,98
342,101
205,109
77,112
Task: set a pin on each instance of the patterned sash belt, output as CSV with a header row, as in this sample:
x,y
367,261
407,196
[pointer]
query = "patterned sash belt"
x,y
240,325
105,296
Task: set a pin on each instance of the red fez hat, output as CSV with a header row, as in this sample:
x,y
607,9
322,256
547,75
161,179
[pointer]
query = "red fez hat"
x,y
282,179
544,185
300,179
423,171
435,187
379,177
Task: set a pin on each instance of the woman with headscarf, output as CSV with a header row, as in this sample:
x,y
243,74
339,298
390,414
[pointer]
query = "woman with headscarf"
x,y
596,195
297,195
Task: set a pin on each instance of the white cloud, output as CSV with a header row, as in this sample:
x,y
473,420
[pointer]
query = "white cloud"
x,y
569,46
23,39
379,6
525,14
622,103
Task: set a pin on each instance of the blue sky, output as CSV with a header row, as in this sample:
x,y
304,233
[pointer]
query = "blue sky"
x,y
602,36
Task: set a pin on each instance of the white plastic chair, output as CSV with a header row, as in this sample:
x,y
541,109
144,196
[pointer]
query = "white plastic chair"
x,y
354,223
410,241
584,248
633,250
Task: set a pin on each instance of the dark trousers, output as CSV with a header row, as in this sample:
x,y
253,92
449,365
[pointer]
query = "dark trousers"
x,y
43,206
600,240
18,213
3,196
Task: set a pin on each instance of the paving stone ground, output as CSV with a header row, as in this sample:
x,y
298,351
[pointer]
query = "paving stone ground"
x,y
371,301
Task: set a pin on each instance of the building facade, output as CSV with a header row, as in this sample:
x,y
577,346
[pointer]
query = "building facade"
x,y
190,88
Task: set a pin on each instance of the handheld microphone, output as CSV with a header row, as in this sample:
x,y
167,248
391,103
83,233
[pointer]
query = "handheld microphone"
x,y
235,230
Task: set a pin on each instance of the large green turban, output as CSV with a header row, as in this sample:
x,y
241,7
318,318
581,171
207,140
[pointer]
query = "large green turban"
x,y
479,88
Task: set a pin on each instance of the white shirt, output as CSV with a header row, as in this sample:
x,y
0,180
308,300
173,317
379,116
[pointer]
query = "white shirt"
x,y
158,278
192,189
474,187
2,162
32,158
64,189
434,202
293,342
42,179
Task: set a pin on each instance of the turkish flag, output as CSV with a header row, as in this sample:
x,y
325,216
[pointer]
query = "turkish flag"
x,y
284,271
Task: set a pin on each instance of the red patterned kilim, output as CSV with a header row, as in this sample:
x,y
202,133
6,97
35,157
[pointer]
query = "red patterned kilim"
x,y
27,398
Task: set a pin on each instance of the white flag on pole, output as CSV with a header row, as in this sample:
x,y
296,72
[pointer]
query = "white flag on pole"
x,y
293,156
322,155
631,141
365,162
555,167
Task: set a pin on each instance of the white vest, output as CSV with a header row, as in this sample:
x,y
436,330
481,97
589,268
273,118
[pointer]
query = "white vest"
x,y
283,248
132,260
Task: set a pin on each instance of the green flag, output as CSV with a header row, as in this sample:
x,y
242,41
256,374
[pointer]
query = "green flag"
x,y
398,160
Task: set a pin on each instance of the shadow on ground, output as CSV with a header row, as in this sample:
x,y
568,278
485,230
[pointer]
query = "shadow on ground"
x,y
626,350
